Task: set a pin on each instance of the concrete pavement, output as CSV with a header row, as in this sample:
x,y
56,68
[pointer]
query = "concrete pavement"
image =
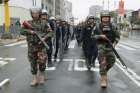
x,y
70,75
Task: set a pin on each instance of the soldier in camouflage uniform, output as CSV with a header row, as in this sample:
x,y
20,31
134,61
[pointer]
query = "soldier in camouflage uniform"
x,y
106,56
36,50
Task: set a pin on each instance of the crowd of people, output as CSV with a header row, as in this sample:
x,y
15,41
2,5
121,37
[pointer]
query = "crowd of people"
x,y
56,33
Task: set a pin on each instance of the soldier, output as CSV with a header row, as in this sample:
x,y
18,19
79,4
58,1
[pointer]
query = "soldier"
x,y
78,31
57,35
106,55
68,35
36,50
52,21
44,17
89,42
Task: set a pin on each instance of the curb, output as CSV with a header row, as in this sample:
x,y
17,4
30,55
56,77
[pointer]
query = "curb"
x,y
17,40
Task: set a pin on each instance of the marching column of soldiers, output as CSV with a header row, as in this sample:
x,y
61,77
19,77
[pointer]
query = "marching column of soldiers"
x,y
47,37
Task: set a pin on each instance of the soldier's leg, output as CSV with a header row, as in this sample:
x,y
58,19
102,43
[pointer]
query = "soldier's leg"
x,y
94,55
56,50
110,60
33,63
49,53
103,66
42,64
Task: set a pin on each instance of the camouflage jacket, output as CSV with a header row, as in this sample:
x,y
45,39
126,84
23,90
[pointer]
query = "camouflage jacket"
x,y
42,29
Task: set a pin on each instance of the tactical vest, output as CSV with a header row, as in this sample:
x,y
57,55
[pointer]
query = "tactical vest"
x,y
108,31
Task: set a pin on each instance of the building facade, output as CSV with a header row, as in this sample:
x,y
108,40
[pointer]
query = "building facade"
x,y
95,10
136,15
19,10
68,11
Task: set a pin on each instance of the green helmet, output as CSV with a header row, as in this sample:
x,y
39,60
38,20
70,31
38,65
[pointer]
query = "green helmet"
x,y
35,10
105,14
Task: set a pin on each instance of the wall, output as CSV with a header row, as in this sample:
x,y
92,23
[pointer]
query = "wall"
x,y
15,12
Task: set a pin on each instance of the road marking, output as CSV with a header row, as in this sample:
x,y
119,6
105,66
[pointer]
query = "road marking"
x,y
138,61
14,44
67,59
134,74
25,45
1,58
84,68
50,68
9,59
133,78
70,67
130,44
126,47
4,82
72,44
2,63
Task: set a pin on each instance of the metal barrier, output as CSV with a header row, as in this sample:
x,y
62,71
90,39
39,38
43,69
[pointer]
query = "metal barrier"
x,y
13,30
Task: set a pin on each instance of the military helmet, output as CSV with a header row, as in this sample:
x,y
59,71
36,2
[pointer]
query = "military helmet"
x,y
35,10
52,18
44,12
90,17
105,14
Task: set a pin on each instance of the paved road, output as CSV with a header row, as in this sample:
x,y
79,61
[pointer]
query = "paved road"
x,y
70,75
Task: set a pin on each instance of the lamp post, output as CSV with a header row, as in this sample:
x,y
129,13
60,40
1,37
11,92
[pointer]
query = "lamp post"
x,y
6,34
6,16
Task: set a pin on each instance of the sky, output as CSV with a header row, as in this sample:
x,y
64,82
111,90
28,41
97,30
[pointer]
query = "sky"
x,y
81,7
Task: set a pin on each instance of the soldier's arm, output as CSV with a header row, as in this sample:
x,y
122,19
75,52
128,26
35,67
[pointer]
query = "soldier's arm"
x,y
24,32
49,33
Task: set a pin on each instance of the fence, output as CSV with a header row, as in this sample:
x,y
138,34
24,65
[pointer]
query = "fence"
x,y
13,30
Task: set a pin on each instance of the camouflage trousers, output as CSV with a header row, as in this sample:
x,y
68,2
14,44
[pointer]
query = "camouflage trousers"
x,y
37,58
106,59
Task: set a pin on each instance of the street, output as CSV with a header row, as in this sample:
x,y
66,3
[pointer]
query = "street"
x,y
70,75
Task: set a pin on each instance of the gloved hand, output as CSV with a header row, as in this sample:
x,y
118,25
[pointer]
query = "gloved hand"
x,y
103,37
32,32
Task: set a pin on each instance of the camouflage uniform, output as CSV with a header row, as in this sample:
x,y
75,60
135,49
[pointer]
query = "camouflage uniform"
x,y
104,49
37,52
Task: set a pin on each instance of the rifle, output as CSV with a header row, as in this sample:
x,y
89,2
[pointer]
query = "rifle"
x,y
27,25
116,53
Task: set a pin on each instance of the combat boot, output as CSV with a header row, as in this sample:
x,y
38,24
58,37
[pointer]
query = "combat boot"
x,y
42,78
104,81
34,81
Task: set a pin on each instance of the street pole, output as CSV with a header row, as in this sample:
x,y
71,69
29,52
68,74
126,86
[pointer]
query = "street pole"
x,y
6,16
6,35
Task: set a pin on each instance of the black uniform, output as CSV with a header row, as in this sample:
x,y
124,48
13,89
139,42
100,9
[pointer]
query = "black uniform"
x,y
89,44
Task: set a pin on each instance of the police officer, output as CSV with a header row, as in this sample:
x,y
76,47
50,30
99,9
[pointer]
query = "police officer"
x,y
89,41
106,56
44,17
36,50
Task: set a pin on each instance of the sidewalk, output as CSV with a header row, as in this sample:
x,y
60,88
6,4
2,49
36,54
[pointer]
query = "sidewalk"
x,y
9,41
